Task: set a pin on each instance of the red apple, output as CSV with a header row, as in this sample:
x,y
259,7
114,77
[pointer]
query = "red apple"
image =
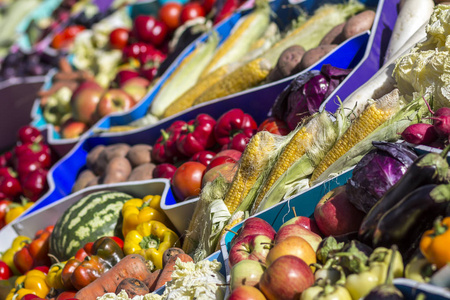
x,y
293,245
297,230
234,154
306,222
253,226
246,292
72,129
136,87
84,102
253,247
246,272
226,170
114,100
336,215
217,161
286,278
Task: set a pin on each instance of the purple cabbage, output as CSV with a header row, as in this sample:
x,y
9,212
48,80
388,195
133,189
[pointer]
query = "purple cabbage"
x,y
306,92
376,172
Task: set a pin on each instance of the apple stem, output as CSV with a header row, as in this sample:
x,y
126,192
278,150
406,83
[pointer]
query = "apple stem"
x,y
226,229
295,213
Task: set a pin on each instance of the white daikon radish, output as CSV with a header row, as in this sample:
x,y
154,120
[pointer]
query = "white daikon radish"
x,y
382,81
413,14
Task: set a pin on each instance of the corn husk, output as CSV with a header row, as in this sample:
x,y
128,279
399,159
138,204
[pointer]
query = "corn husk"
x,y
389,131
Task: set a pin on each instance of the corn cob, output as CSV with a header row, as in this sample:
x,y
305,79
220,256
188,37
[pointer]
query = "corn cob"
x,y
295,149
252,163
187,99
245,77
240,41
375,114
236,218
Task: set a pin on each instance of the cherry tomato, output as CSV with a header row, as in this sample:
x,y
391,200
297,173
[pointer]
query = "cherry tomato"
x,y
274,125
191,11
118,38
187,180
5,271
170,13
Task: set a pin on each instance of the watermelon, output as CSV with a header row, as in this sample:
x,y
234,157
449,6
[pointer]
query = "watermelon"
x,y
94,216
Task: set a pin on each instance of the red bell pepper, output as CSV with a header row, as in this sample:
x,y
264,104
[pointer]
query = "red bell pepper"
x,y
85,251
197,135
88,271
234,129
35,253
205,157
29,134
275,126
165,149
37,151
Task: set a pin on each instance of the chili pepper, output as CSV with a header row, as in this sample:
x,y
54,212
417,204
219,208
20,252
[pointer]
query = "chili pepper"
x,y
31,283
15,210
359,285
435,242
419,269
17,244
404,223
427,169
35,253
197,135
5,270
89,270
136,211
383,256
85,251
67,272
54,278
151,239
165,149
234,124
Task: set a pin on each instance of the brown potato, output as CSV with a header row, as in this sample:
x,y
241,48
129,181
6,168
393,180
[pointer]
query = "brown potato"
x,y
334,36
314,55
142,172
108,153
117,170
94,181
139,154
358,23
287,61
83,179
133,287
92,157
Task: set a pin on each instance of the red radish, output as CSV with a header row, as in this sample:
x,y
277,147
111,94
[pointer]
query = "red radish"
x,y
420,134
443,111
442,125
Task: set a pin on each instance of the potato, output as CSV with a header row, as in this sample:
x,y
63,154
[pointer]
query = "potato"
x,y
92,157
133,287
287,61
83,179
94,181
108,153
139,154
334,36
142,172
117,170
358,23
314,55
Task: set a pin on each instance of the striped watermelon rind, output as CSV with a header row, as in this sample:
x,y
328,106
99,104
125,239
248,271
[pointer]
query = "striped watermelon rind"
x,y
93,216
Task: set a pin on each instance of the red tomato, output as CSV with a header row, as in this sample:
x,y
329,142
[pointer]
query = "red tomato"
x,y
191,11
118,240
118,38
275,126
71,31
187,180
66,295
169,13
5,271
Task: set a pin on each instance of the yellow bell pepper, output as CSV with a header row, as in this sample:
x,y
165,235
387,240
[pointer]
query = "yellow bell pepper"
x,y
54,279
150,239
8,257
31,283
136,211
14,212
434,243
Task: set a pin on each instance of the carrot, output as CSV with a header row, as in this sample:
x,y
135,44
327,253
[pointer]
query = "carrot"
x,y
133,287
152,279
131,266
166,273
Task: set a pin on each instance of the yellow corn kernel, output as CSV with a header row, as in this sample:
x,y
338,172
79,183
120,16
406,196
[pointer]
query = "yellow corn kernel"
x,y
245,77
366,123
187,99
295,149
252,163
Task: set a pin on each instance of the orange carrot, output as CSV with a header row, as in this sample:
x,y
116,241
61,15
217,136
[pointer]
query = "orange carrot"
x,y
152,279
166,273
131,266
